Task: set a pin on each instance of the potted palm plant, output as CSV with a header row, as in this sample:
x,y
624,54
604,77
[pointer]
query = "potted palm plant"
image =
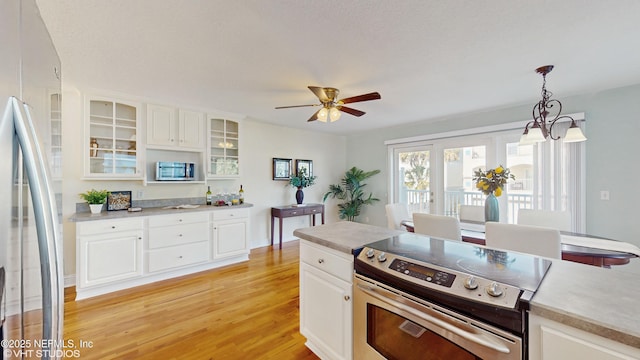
x,y
95,198
301,181
351,191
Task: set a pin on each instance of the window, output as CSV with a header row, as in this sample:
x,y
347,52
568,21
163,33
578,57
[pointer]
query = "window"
x,y
434,174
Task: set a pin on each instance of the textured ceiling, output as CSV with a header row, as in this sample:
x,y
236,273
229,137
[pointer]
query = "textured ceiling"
x,y
428,59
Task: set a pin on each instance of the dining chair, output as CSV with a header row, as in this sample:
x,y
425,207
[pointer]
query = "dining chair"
x,y
471,213
560,220
535,240
444,227
396,213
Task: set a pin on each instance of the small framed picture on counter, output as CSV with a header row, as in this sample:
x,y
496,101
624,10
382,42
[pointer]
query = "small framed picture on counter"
x,y
281,169
119,200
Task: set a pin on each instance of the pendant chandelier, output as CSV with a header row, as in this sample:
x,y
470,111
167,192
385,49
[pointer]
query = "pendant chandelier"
x,y
538,129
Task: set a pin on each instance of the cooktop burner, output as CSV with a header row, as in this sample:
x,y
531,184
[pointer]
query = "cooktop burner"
x,y
520,270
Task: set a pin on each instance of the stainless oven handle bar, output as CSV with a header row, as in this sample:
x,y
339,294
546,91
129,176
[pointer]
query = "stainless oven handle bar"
x,y
478,339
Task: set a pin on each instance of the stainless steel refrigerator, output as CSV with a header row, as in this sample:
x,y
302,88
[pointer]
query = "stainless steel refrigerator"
x,y
31,280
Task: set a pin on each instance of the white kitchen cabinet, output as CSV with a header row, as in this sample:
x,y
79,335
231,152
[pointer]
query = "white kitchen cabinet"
x,y
165,130
177,240
111,139
230,233
116,254
326,306
109,251
550,340
223,147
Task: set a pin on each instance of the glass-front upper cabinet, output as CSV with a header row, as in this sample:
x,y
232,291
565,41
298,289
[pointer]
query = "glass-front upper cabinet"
x,y
223,150
111,141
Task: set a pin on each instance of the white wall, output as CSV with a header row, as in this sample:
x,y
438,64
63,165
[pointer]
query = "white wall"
x,y
260,143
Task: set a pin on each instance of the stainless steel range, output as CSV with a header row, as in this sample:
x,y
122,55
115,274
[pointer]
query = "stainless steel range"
x,y
417,297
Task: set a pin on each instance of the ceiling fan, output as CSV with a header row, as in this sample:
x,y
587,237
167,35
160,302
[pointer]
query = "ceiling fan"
x,y
331,106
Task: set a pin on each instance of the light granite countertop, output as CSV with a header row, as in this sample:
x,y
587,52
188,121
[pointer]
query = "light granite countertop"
x,y
593,299
586,297
345,236
148,211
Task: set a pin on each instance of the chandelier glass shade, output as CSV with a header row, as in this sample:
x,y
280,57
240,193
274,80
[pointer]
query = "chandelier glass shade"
x,y
546,113
328,112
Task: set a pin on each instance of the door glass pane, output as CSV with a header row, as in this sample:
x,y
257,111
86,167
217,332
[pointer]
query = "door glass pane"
x,y
414,184
459,188
520,190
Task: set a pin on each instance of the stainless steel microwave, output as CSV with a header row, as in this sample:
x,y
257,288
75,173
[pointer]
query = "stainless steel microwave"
x,y
175,171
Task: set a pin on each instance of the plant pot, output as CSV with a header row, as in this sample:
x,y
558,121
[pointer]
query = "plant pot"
x,y
299,196
491,209
95,208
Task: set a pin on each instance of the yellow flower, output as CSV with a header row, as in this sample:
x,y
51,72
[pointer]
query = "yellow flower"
x,y
489,175
498,191
485,186
480,184
499,170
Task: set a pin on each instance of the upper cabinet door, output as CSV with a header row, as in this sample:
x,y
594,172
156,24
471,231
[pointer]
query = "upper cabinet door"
x,y
161,126
165,131
111,139
191,129
224,148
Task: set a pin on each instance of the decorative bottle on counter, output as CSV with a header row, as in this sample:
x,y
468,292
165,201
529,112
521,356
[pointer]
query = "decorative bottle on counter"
x,y
241,195
208,195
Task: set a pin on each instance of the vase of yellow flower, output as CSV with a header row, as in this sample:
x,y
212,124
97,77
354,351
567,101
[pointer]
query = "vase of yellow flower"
x,y
491,182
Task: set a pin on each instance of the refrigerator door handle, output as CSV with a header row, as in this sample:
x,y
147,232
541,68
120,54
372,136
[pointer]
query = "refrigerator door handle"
x,y
46,216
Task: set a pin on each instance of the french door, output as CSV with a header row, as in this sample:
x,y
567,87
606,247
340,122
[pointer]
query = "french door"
x,y
412,177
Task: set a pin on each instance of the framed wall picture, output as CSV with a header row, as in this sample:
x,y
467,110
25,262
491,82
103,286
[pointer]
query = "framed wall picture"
x,y
119,200
281,169
306,165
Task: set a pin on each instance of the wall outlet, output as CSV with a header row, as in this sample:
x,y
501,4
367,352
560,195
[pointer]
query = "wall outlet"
x,y
604,195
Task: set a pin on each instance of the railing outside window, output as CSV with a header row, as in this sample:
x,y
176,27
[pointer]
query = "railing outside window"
x,y
419,201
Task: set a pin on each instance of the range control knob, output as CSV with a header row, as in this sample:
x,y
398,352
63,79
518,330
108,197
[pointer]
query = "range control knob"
x,y
382,257
494,289
370,253
471,283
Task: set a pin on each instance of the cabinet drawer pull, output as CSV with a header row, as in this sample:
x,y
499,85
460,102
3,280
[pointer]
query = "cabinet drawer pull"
x,y
180,257
113,226
320,261
179,235
347,298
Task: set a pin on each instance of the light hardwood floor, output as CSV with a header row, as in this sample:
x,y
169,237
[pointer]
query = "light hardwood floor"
x,y
242,311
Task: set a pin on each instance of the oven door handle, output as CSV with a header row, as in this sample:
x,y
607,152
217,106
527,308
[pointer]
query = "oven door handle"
x,y
476,338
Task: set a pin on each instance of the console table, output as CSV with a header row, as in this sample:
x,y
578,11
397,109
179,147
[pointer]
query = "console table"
x,y
282,212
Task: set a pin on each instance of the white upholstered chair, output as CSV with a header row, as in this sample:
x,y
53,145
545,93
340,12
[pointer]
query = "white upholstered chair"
x,y
444,227
471,213
535,240
395,214
560,220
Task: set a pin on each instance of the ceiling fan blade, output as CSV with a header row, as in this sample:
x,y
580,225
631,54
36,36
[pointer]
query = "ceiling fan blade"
x,y
351,111
319,93
314,117
363,97
295,106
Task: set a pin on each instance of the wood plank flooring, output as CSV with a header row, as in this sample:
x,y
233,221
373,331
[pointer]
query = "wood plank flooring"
x,y
242,311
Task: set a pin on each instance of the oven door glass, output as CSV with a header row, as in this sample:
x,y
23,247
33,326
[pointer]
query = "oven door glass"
x,y
397,338
390,324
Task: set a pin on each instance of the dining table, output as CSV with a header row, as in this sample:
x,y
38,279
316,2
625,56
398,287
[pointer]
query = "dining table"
x,y
576,247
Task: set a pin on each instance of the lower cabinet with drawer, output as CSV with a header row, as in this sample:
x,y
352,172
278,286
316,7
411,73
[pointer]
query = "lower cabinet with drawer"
x,y
326,283
109,251
177,240
229,233
115,254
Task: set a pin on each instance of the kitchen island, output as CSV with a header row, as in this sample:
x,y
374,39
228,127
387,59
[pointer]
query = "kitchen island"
x,y
592,300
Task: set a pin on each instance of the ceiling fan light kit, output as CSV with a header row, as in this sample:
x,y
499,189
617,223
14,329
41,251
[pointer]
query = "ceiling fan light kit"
x,y
332,108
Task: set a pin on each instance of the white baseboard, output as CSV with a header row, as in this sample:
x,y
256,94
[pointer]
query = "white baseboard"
x,y
70,280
